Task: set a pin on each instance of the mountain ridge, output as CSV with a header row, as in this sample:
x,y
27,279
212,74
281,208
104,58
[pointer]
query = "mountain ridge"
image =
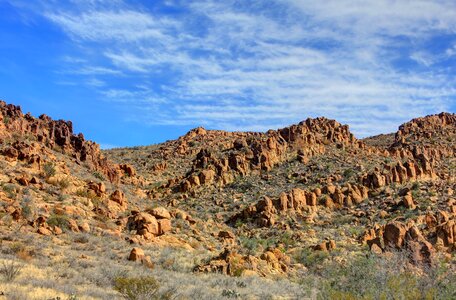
x,y
290,203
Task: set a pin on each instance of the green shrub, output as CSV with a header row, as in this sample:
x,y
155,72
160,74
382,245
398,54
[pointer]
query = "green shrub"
x,y
349,173
61,197
27,210
82,193
98,176
311,258
58,220
63,183
139,288
373,277
230,294
10,190
49,170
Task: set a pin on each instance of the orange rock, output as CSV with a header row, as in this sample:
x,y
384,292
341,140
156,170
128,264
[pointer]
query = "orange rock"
x,y
136,254
160,213
23,180
44,231
164,226
128,170
57,230
207,176
407,201
73,226
98,188
118,197
311,199
394,235
84,227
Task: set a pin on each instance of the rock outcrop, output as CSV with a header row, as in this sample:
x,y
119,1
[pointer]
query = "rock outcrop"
x,y
57,135
257,152
229,262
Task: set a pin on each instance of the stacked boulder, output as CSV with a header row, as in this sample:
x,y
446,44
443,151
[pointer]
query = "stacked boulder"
x,y
149,224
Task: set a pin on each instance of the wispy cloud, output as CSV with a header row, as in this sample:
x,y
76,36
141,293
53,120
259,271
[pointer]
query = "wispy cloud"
x,y
122,26
257,65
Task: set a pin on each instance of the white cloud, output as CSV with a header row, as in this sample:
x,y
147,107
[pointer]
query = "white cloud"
x,y
253,65
95,70
451,51
124,26
139,96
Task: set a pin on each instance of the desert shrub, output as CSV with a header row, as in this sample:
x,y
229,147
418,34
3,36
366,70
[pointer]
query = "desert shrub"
x,y
98,176
82,193
27,208
254,244
61,197
178,260
63,183
14,248
373,277
349,173
81,239
10,190
49,170
230,294
139,288
58,220
416,186
193,144
311,258
241,185
10,270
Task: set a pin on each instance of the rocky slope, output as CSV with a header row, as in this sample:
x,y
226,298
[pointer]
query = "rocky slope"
x,y
287,204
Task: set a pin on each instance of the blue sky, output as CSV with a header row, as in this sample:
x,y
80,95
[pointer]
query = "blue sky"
x,y
141,72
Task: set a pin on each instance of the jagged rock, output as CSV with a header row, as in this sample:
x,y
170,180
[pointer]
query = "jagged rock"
x,y
325,246
128,170
84,227
119,197
407,201
394,235
144,224
98,188
422,252
225,234
53,134
207,176
446,234
255,152
231,263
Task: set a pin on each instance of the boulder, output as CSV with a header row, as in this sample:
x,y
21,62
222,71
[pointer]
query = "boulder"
x,y
160,213
394,235
118,197
136,254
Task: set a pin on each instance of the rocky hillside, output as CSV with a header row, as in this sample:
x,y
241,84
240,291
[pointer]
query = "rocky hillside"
x,y
303,210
